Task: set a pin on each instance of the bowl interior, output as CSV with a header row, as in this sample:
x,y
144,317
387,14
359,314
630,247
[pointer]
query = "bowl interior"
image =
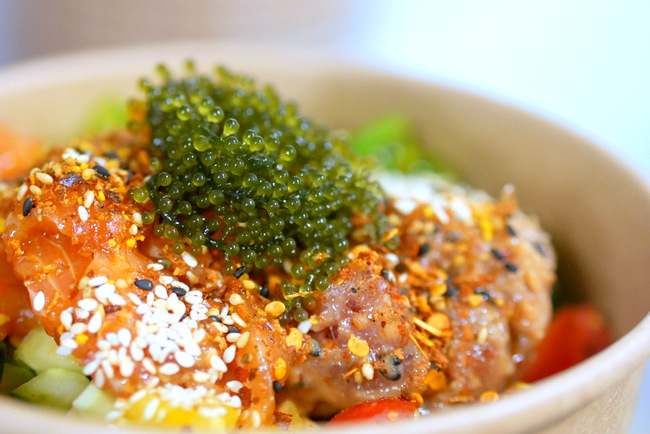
x,y
595,208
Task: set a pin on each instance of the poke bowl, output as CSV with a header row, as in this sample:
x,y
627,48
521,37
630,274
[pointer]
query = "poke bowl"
x,y
594,207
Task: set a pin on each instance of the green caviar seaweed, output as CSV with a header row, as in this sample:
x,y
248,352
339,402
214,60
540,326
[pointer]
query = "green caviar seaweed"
x,y
239,170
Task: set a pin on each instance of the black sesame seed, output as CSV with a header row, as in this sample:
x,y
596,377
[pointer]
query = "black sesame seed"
x,y
28,204
482,292
392,376
240,272
101,171
178,291
233,329
215,318
185,315
315,348
144,284
277,386
540,249
111,154
424,249
385,274
497,254
511,267
511,231
264,291
129,175
354,290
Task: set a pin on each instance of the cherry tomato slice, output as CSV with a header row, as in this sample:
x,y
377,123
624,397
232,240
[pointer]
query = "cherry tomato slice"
x,y
384,409
576,333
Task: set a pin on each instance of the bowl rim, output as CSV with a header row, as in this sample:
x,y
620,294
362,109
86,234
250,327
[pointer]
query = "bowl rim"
x,y
99,63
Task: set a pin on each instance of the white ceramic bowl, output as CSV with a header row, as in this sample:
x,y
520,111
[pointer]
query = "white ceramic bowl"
x,y
596,209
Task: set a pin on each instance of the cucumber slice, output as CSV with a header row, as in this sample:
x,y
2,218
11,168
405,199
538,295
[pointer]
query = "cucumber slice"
x,y
94,401
55,387
14,376
38,351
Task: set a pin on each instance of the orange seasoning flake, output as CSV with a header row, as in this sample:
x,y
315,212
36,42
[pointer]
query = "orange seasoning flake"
x,y
435,379
358,346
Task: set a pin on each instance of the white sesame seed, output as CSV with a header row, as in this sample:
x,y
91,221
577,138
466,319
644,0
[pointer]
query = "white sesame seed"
x,y
64,351
160,304
147,363
134,299
243,339
116,299
91,367
103,345
124,336
136,352
89,304
127,367
184,359
107,368
89,198
83,213
212,413
201,377
81,313
199,335
97,281
151,409
133,229
235,299
237,319
35,190
137,218
103,291
70,343
39,301
218,364
233,337
235,401
155,267
99,378
235,386
304,326
169,369
193,297
161,292
95,323
114,415
166,280
172,301
229,354
368,371
199,308
150,298
221,327
228,320
189,259
78,328
66,319
224,311
22,191
112,338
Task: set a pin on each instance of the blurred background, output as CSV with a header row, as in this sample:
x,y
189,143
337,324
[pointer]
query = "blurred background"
x,y
582,63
